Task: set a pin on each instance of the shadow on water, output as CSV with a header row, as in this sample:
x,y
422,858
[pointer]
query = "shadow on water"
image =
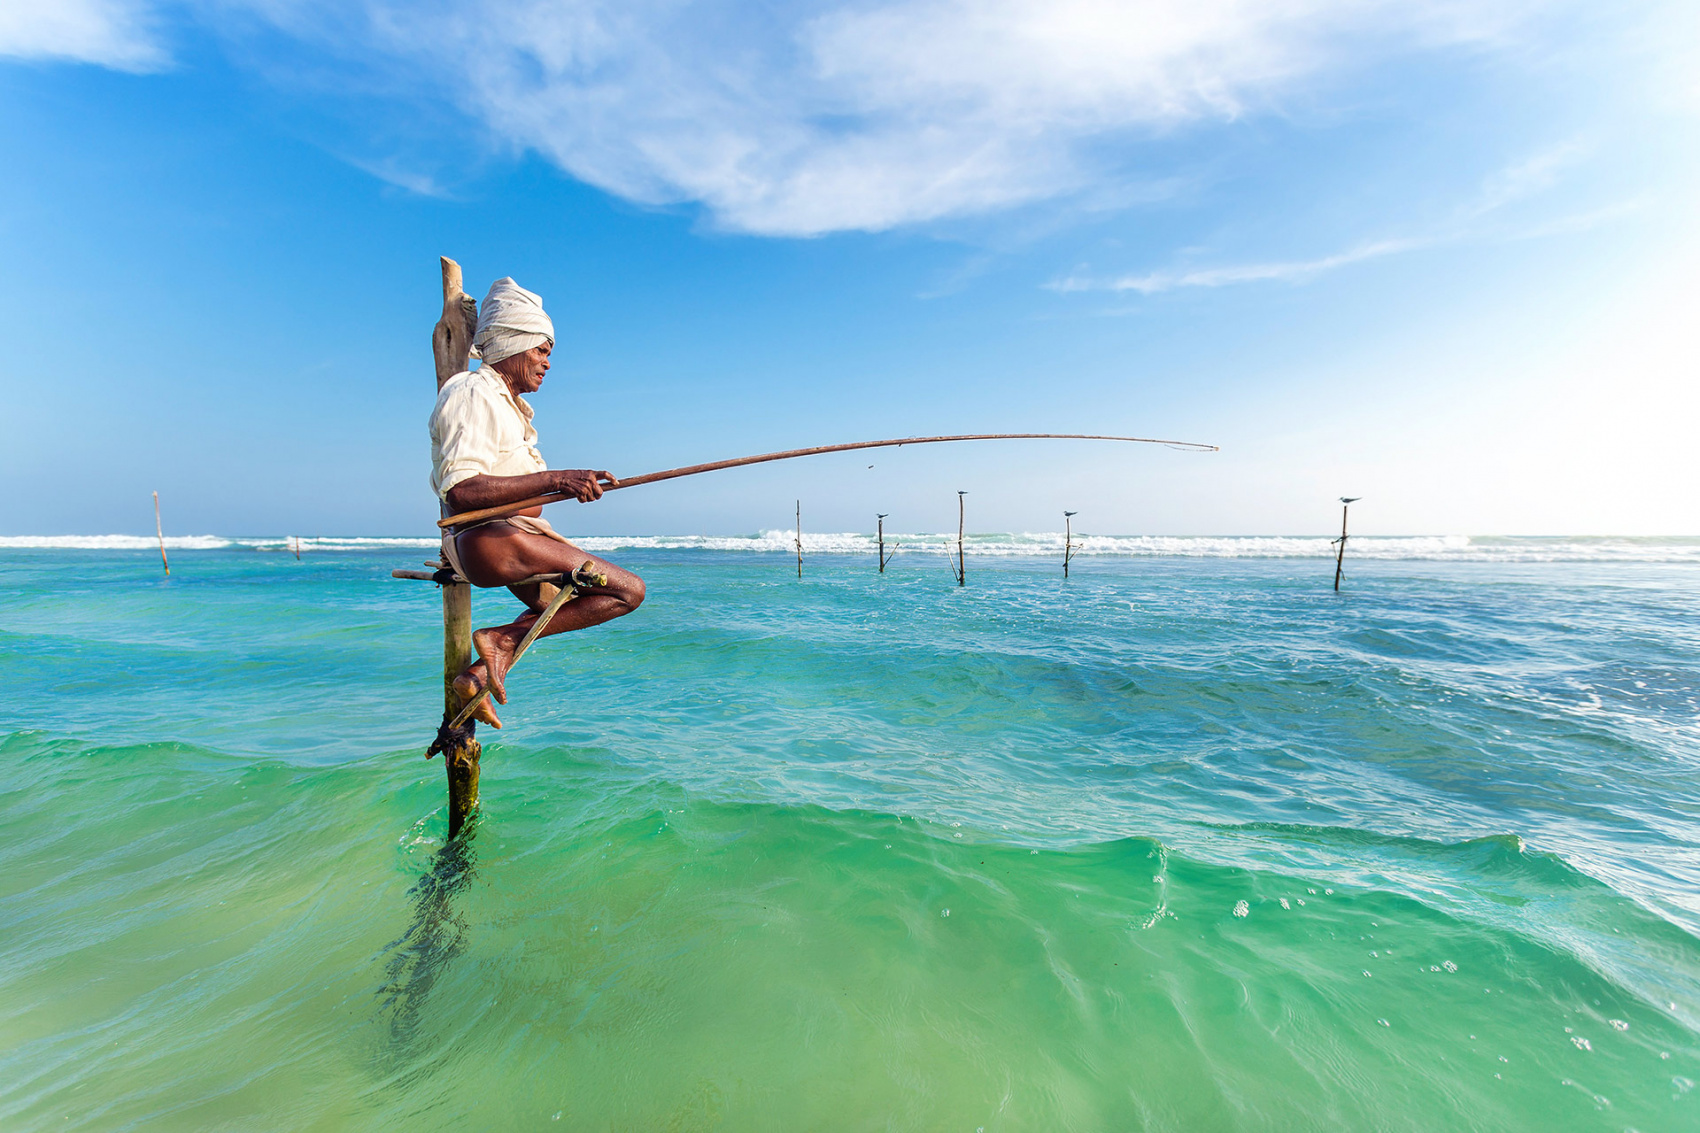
x,y
436,936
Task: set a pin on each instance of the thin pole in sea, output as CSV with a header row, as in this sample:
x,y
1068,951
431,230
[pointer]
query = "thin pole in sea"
x,y
159,530
961,570
1340,559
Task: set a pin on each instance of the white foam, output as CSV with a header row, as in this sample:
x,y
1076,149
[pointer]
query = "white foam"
x,y
285,543
116,542
1458,548
1439,548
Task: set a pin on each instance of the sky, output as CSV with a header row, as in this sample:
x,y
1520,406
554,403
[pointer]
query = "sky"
x,y
1441,256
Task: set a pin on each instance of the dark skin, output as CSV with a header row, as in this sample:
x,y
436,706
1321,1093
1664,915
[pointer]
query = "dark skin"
x,y
499,554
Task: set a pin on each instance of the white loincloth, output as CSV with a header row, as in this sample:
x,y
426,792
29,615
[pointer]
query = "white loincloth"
x,y
531,525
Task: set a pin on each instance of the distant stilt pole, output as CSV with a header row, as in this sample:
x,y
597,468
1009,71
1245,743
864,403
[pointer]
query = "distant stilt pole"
x,y
1340,558
1068,539
160,531
799,538
880,519
961,560
297,548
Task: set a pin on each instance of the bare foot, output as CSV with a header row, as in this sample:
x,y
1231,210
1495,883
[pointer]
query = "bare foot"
x,y
468,685
497,653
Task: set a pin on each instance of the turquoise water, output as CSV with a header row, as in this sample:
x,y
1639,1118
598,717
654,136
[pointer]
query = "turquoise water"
x,y
1189,842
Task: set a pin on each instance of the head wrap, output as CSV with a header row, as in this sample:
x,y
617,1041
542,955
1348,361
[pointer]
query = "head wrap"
x,y
510,321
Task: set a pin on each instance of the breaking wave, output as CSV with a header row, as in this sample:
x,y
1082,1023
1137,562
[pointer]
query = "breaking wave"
x,y
286,543
1455,548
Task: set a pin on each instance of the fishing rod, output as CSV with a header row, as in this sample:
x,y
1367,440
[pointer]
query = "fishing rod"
x,y
503,510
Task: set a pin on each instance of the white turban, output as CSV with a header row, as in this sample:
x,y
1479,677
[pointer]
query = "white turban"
x,y
510,321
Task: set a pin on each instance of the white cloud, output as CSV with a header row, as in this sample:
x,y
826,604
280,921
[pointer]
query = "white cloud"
x,y
1515,183
804,118
1290,270
112,33
816,116
1527,178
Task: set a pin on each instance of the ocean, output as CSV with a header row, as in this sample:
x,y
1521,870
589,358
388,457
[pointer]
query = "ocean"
x,y
1185,842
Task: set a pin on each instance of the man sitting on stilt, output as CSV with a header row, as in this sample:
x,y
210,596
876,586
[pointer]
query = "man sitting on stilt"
x,y
484,454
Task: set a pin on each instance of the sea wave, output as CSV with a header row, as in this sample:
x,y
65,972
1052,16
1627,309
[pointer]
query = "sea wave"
x,y
1454,548
285,543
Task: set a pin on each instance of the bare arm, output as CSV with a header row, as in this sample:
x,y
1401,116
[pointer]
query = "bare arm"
x,y
484,491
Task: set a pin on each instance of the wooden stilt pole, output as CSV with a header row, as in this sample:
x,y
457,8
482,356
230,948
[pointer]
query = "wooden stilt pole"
x,y
880,519
451,349
1068,539
460,758
1340,558
799,538
961,560
160,531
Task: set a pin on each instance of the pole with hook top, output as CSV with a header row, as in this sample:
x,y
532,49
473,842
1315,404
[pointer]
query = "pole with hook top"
x,y
1340,558
961,560
1068,539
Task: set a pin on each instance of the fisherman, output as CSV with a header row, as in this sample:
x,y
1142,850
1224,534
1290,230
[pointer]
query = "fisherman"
x,y
484,454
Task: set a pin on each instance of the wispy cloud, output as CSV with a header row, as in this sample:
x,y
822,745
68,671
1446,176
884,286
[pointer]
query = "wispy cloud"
x,y
1516,182
1526,178
1291,270
824,115
391,172
842,115
111,33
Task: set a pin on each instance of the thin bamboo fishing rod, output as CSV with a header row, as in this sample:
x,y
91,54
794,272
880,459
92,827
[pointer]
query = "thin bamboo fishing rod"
x,y
503,510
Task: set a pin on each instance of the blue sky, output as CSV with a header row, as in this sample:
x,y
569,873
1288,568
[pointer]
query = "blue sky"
x,y
1441,256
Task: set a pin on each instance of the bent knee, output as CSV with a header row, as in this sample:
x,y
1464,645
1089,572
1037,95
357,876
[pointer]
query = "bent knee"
x,y
632,592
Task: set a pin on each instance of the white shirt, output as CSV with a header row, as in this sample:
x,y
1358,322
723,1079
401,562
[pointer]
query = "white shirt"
x,y
480,428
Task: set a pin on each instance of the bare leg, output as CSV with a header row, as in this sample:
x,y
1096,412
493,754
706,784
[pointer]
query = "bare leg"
x,y
498,555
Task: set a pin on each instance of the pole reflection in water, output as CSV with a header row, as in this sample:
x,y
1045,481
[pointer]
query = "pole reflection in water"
x,y
436,936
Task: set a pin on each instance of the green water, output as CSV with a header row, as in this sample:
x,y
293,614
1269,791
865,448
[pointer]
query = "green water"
x,y
1187,846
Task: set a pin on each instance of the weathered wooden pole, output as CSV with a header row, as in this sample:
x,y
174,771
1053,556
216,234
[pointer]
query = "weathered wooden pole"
x,y
880,519
451,347
961,562
799,538
160,531
1068,539
461,754
1340,559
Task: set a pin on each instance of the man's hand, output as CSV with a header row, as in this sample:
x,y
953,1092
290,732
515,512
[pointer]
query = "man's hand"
x,y
486,491
583,484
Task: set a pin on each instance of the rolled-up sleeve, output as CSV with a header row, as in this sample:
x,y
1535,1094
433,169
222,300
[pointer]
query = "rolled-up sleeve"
x,y
465,429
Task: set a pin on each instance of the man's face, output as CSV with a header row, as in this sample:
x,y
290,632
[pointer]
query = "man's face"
x,y
524,372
